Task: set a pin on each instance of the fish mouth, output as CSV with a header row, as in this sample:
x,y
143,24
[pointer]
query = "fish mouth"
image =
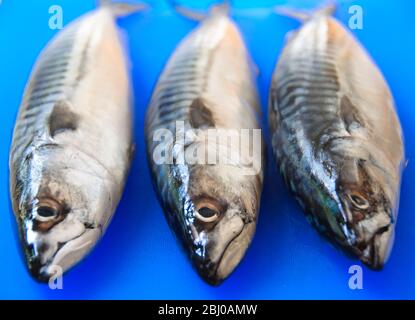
x,y
370,239
377,251
66,256
214,273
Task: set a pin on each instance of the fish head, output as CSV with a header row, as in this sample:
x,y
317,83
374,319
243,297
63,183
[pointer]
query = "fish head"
x,y
222,218
60,210
368,194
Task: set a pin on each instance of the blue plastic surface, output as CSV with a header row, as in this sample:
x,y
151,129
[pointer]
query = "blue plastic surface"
x,y
138,257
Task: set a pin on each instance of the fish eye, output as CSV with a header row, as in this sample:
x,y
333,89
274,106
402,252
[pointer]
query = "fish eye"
x,y
207,212
47,210
359,202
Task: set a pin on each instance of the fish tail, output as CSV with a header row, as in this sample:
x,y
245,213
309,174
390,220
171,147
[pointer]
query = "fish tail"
x,y
303,15
121,9
195,15
222,8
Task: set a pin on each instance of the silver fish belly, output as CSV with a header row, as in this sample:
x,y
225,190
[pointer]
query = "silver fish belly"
x,y
71,145
336,137
207,85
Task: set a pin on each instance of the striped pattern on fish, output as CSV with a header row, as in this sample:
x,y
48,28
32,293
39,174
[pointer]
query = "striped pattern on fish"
x,y
336,137
207,84
71,147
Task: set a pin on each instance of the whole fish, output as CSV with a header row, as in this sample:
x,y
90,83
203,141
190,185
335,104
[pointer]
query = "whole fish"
x,y
336,136
207,86
71,148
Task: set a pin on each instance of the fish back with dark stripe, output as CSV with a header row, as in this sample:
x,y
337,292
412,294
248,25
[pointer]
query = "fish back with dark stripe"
x,y
185,83
51,81
207,84
334,128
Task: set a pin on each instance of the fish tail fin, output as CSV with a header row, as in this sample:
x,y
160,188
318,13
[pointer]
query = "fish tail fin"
x,y
122,9
303,15
195,15
221,8
186,12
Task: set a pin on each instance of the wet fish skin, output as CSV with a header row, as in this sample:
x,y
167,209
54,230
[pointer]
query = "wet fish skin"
x,y
337,138
71,147
208,84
